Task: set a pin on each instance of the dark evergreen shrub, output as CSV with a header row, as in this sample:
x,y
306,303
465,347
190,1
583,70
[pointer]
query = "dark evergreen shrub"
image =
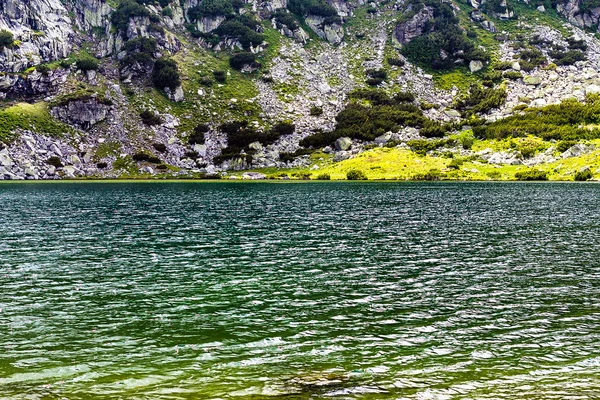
x,y
532,175
86,62
165,74
6,38
356,175
102,165
160,147
150,118
220,76
240,60
54,161
316,111
584,175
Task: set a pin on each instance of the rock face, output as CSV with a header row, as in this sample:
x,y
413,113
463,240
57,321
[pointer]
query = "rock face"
x,y
43,28
83,113
573,11
206,24
408,30
333,33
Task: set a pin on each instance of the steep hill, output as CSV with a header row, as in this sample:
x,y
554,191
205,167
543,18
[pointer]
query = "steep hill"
x,y
302,88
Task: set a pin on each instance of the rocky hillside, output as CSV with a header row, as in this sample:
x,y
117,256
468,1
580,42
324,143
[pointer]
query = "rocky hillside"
x,y
166,88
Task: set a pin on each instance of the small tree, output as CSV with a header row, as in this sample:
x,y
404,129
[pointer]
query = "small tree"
x,y
86,62
356,175
6,38
166,74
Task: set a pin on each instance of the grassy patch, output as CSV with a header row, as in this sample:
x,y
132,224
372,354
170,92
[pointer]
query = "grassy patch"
x,y
35,117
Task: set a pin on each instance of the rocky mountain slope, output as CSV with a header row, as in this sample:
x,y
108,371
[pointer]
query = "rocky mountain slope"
x,y
167,88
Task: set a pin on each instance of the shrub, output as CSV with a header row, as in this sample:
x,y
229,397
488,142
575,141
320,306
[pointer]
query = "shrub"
x,y
431,175
443,35
167,12
197,137
165,74
220,76
532,175
356,175
140,50
210,8
503,65
466,139
568,58
140,156
456,163
283,128
575,44
314,7
283,17
404,97
481,100
398,62
565,145
422,147
125,10
160,147
149,118
54,161
102,165
512,75
243,28
432,129
6,38
285,157
43,69
583,175
531,58
324,177
86,62
240,60
66,63
316,111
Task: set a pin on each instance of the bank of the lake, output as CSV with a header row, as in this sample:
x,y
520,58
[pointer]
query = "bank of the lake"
x,y
315,290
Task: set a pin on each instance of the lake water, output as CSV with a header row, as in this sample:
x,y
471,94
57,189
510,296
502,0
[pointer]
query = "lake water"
x,y
300,291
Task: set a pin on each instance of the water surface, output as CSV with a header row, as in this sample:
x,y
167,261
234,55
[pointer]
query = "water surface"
x,y
298,291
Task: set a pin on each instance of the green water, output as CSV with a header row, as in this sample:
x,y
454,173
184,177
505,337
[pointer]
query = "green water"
x,y
298,291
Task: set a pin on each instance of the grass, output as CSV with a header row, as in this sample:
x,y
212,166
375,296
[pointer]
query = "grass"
x,y
35,117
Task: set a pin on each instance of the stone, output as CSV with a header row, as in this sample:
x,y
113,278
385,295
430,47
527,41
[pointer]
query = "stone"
x,y
255,146
532,80
452,113
343,144
253,176
592,89
475,65
516,66
577,150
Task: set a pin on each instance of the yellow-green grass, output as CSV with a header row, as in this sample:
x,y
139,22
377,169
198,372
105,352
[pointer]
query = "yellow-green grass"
x,y
35,117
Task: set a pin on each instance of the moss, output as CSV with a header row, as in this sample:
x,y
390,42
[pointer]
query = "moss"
x,y
107,149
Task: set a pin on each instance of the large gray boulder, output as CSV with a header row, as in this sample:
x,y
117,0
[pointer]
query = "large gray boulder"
x,y
343,144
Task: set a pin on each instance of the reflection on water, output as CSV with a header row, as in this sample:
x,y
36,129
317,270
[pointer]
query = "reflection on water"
x,y
336,290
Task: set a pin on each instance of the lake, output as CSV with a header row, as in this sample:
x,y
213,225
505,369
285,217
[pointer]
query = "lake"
x,y
300,290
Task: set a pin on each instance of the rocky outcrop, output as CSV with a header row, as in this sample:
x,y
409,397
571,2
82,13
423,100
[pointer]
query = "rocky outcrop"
x,y
413,27
573,12
34,84
83,113
91,14
42,29
209,24
333,33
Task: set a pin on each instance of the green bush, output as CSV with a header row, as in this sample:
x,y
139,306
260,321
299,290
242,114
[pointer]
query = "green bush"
x,y
432,129
55,162
283,128
243,29
422,147
314,7
126,10
583,175
197,137
165,74
356,175
398,62
316,111
6,38
149,118
503,65
86,62
569,57
240,60
565,145
431,175
481,100
283,17
220,76
160,147
532,175
285,157
456,163
210,8
442,35
512,75
42,69
324,177
531,58
140,50
167,12
565,121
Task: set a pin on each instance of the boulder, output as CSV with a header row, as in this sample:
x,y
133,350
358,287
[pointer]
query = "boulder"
x,y
532,80
343,144
475,65
253,176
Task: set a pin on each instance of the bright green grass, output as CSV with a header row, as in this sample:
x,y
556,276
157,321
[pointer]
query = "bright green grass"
x,y
35,117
